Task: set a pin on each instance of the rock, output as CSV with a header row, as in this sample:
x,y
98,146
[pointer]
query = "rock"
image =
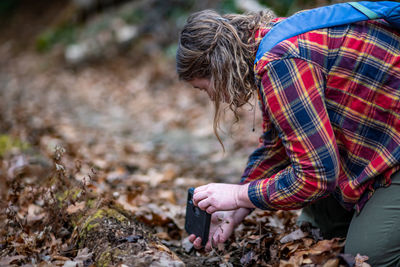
x,y
73,264
126,34
187,245
76,53
108,232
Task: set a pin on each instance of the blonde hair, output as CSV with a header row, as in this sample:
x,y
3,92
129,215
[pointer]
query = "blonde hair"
x,y
221,49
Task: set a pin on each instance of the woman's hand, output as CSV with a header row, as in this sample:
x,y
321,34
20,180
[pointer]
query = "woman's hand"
x,y
222,225
222,197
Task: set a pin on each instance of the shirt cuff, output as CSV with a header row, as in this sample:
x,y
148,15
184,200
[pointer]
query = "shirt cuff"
x,y
256,196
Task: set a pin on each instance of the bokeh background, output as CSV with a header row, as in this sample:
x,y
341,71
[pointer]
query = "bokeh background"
x,y
107,66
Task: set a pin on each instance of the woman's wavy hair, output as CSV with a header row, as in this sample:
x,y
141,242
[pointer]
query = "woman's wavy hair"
x,y
221,48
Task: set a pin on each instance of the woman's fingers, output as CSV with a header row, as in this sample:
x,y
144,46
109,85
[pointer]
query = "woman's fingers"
x,y
199,196
216,239
192,237
222,197
204,204
210,244
197,243
221,227
200,188
211,209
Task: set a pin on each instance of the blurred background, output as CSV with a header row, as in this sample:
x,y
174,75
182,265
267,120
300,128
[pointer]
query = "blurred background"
x,y
44,24
105,69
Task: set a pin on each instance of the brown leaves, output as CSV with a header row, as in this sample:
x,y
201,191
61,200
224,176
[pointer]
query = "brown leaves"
x,y
73,208
319,253
360,261
6,261
295,235
35,213
272,239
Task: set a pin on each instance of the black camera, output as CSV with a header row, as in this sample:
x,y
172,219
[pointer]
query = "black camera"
x,y
197,221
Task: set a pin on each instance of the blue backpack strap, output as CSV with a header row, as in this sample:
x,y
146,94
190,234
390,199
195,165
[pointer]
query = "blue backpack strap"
x,y
388,10
365,10
328,16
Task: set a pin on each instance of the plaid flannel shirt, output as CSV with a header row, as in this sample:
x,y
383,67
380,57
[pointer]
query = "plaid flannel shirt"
x,y
330,100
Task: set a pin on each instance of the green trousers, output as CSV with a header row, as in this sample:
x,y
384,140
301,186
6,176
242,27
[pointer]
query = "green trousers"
x,y
374,232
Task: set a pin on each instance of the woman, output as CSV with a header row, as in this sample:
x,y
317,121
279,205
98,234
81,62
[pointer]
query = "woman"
x,y
330,100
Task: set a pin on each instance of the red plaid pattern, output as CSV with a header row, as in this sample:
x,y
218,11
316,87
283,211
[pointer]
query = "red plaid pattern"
x,y
330,100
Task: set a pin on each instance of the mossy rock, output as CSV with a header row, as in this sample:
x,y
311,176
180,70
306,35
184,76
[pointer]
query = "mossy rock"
x,y
114,237
8,144
72,194
94,220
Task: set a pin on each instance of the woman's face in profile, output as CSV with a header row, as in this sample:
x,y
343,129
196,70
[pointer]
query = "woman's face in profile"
x,y
203,84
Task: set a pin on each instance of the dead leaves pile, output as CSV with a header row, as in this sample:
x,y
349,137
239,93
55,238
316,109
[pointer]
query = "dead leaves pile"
x,y
272,239
35,226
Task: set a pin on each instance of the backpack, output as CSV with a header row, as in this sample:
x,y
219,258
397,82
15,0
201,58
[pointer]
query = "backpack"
x,y
328,16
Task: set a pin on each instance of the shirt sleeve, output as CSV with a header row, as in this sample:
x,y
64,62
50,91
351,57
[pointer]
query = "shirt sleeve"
x,y
269,157
293,90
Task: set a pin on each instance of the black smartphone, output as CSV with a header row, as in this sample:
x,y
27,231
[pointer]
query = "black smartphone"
x,y
197,221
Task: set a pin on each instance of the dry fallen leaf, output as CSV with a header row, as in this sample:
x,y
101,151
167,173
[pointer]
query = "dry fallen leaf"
x,y
293,262
247,258
35,213
60,258
83,255
331,263
361,261
295,235
168,196
6,261
163,235
73,208
334,244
